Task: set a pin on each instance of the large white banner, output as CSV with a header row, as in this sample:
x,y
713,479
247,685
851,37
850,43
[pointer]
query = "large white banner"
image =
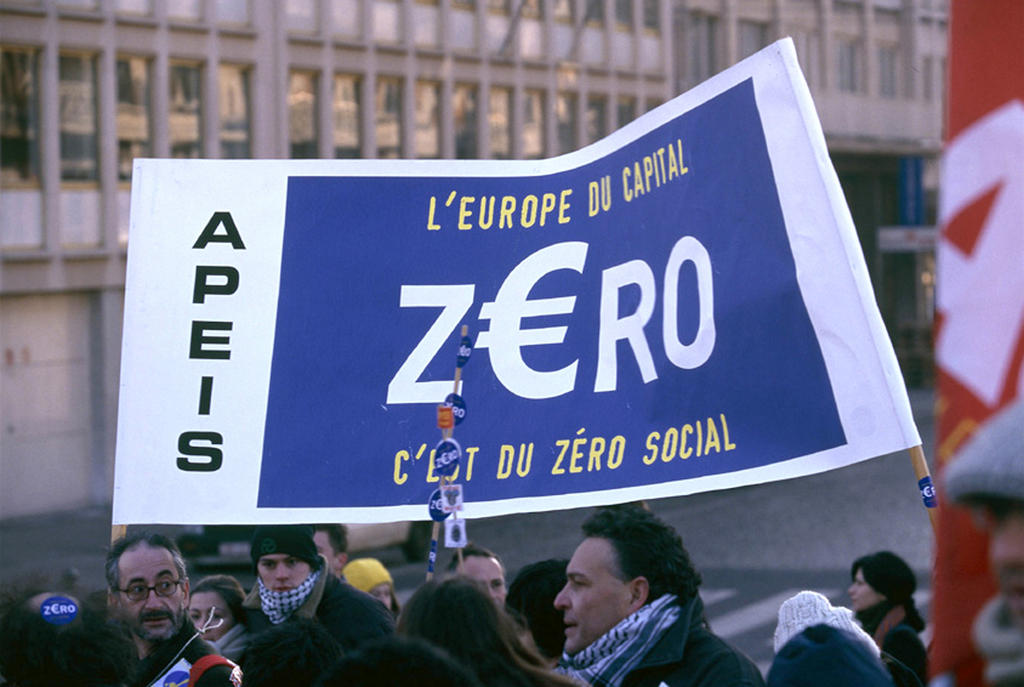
x,y
679,307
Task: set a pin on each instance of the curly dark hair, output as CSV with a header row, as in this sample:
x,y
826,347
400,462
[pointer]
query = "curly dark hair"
x,y
292,653
645,546
151,539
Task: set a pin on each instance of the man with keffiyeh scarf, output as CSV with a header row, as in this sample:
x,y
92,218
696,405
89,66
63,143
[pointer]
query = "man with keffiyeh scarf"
x,y
292,580
632,614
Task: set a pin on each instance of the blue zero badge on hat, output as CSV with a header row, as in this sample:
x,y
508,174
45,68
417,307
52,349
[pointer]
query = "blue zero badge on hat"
x,y
58,610
446,456
458,406
436,507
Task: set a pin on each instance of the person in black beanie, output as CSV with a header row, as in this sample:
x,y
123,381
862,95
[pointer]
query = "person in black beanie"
x,y
292,580
882,595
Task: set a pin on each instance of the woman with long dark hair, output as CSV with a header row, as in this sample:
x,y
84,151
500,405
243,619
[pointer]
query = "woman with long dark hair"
x,y
215,603
882,597
458,615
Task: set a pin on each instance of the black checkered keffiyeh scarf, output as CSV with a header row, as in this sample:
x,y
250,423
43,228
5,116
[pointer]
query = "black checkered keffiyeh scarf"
x,y
279,605
615,654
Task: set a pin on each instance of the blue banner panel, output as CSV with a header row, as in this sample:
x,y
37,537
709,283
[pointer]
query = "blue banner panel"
x,y
637,320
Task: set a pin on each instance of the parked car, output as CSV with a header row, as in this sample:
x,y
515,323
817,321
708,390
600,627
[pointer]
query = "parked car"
x,y
208,546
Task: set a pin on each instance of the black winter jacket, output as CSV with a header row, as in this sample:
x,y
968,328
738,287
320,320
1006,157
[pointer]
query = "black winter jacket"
x,y
165,663
690,655
351,616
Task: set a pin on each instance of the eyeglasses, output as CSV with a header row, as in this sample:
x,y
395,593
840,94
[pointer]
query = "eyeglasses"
x,y
140,592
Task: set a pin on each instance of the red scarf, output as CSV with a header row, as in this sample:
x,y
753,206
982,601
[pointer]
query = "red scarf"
x,y
891,619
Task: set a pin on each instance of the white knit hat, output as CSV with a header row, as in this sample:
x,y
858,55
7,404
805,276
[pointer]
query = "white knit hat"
x,y
807,609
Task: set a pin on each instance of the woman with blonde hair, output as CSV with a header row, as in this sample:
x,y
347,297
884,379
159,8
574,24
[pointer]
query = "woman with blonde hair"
x,y
369,575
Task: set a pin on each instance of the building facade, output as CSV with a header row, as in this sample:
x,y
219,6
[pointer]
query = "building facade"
x,y
88,85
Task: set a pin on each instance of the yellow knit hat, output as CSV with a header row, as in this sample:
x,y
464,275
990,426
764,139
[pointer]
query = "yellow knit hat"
x,y
365,573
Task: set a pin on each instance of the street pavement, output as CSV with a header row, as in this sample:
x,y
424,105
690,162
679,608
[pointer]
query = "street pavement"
x,y
755,546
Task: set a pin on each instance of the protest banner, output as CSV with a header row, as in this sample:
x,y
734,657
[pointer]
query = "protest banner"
x,y
979,340
679,307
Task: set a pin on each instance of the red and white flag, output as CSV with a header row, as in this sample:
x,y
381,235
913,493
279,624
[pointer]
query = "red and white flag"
x,y
979,335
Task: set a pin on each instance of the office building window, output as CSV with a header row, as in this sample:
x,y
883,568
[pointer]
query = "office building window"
x,y
388,100
78,130
189,10
301,16
652,103
184,122
499,119
597,117
624,13
233,11
347,118
302,111
427,139
141,7
499,6
849,65
19,118
887,79
533,9
928,78
753,37
347,18
78,4
533,123
133,130
567,121
625,110
703,47
808,52
234,112
564,10
594,13
652,15
464,110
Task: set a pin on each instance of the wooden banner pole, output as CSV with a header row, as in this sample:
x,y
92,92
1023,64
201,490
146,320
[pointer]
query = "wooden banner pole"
x,y
921,470
117,531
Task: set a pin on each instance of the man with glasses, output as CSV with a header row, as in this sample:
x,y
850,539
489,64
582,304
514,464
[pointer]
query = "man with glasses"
x,y
987,475
148,593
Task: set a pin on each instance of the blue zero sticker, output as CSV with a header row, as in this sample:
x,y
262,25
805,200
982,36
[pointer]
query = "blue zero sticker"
x,y
436,507
58,610
927,492
446,456
458,406
465,350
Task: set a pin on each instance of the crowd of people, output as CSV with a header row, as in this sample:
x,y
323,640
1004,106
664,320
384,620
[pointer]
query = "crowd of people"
x,y
623,611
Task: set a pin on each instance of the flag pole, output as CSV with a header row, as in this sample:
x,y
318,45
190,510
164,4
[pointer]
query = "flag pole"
x,y
446,433
924,482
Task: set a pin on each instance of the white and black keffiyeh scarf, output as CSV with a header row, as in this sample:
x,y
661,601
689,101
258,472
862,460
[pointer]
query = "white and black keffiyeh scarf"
x,y
615,654
279,605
